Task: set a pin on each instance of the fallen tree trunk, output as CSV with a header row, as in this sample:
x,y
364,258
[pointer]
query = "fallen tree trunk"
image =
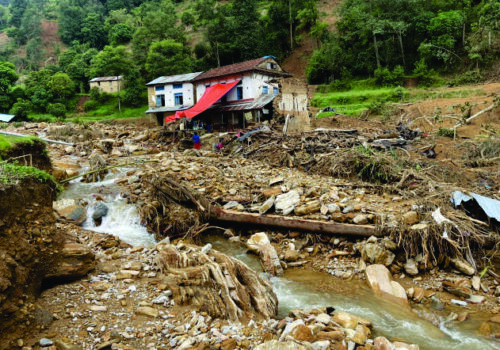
x,y
326,227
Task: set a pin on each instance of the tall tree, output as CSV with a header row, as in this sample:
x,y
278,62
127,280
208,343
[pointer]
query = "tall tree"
x,y
17,8
168,57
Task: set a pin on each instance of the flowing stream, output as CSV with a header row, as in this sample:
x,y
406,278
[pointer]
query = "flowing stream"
x,y
297,288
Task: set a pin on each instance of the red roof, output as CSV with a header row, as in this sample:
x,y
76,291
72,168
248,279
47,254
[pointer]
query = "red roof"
x,y
212,94
235,69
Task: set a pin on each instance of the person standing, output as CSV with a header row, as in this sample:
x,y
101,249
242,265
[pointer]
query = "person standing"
x,y
196,140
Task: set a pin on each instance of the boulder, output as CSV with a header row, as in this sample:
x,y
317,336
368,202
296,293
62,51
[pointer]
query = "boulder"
x,y
76,260
463,266
380,280
214,283
268,204
360,219
285,203
100,210
411,267
70,210
376,253
308,208
259,244
277,345
63,169
411,218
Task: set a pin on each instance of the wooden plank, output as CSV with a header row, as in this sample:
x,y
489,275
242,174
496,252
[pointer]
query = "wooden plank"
x,y
294,223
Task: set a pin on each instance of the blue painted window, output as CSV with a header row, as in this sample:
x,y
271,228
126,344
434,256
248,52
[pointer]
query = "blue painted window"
x,y
239,92
160,100
179,100
159,88
265,89
276,91
177,86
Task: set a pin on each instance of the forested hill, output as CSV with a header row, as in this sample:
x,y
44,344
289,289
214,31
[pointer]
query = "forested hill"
x,y
143,39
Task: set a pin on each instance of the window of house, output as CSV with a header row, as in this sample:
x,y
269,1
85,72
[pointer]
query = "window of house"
x,y
177,86
265,89
159,88
98,83
160,100
178,99
276,91
239,92
271,65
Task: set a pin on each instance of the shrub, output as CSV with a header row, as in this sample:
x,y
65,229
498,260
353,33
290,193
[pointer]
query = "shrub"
x,y
399,94
376,107
21,109
90,105
446,132
383,76
424,75
470,77
58,110
95,94
341,85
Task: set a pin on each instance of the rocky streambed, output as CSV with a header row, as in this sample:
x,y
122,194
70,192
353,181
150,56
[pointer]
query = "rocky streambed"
x,y
149,295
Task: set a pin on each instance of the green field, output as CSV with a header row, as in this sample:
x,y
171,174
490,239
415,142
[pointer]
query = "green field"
x,y
365,97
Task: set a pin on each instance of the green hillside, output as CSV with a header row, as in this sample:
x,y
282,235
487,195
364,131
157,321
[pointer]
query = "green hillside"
x,y
142,39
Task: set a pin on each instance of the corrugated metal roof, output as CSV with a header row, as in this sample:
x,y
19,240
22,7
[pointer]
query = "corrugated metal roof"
x,y
166,109
241,67
114,78
179,78
6,117
258,103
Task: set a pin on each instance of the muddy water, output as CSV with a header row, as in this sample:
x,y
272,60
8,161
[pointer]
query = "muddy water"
x,y
306,289
298,288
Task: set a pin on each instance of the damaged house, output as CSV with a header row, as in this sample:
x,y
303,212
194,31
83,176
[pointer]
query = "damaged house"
x,y
167,95
224,98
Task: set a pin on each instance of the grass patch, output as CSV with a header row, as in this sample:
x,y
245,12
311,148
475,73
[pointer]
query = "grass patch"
x,y
108,110
365,95
8,141
11,173
355,101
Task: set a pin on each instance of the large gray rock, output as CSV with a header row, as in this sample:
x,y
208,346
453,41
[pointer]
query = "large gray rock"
x,y
285,203
100,210
70,210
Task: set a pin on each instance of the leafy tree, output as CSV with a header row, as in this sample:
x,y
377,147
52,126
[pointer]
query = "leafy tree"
x,y
34,53
120,33
30,27
17,8
21,109
8,77
168,57
157,22
61,86
134,89
245,29
93,31
110,62
58,110
4,15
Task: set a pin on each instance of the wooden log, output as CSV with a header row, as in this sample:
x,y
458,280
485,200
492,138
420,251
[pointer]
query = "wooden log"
x,y
293,223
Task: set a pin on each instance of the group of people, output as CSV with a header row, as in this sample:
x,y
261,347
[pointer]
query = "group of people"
x,y
197,143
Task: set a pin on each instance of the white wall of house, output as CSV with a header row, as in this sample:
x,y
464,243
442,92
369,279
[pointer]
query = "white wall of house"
x,y
169,92
252,84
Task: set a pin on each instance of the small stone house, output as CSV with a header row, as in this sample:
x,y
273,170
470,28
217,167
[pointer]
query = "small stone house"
x,y
167,95
107,84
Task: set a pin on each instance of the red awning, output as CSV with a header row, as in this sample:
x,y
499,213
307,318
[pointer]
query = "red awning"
x,y
212,94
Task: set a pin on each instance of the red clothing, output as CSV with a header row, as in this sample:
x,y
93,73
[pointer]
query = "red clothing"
x,y
197,145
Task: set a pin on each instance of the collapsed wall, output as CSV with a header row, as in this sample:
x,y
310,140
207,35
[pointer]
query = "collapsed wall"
x,y
292,103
